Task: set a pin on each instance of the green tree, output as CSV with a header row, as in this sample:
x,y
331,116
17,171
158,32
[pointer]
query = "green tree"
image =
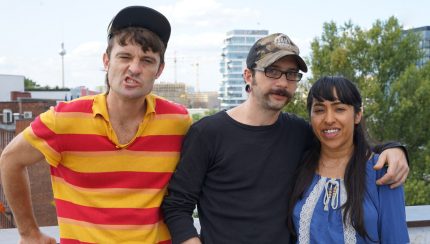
x,y
29,84
409,123
381,61
197,116
298,104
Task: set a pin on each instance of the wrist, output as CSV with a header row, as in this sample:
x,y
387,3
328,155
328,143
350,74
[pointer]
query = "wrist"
x,y
29,231
193,240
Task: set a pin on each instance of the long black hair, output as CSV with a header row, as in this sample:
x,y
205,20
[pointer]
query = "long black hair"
x,y
355,172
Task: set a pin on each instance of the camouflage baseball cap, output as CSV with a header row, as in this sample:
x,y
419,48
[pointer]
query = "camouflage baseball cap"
x,y
270,49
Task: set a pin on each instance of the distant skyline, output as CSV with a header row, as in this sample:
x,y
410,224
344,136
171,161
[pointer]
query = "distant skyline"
x,y
32,32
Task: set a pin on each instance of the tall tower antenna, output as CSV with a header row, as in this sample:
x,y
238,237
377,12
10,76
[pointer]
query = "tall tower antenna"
x,y
62,53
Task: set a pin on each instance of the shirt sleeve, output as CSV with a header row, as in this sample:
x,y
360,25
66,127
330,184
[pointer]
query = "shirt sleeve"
x,y
41,135
185,186
392,216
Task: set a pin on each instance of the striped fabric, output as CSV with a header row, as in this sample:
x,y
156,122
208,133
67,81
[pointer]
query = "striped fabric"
x,y
107,192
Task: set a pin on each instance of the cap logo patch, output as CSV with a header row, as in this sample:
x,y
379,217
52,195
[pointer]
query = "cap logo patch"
x,y
283,42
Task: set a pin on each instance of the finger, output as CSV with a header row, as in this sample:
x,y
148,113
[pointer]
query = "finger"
x,y
381,161
397,184
401,174
384,180
388,177
397,178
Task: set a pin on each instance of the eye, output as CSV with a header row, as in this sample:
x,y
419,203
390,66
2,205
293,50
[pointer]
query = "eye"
x,y
124,57
317,110
292,74
340,109
272,72
148,60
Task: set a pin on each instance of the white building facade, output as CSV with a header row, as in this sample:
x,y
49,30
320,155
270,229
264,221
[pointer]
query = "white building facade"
x,y
233,60
8,84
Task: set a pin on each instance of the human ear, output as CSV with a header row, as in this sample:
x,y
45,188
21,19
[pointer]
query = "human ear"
x,y
106,61
358,116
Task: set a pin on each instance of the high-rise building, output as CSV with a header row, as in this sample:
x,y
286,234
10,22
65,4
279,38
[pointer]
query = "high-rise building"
x,y
424,43
233,60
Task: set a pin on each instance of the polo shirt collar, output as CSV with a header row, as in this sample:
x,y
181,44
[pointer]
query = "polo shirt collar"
x,y
100,106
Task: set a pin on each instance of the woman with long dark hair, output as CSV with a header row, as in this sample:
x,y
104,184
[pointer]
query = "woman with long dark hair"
x,y
335,199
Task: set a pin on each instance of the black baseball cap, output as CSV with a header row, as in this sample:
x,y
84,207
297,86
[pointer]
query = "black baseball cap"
x,y
141,16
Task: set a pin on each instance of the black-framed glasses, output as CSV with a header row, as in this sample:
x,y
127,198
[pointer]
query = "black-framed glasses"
x,y
276,74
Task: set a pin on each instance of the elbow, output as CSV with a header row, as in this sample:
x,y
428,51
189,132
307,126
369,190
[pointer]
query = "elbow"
x,y
3,160
7,162
176,207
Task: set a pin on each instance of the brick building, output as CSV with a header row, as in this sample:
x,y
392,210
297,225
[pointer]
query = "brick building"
x,y
39,173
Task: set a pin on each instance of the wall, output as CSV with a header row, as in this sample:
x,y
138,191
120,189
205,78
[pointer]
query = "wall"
x,y
9,83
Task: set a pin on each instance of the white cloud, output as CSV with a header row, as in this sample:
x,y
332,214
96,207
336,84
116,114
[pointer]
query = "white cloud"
x,y
206,13
198,41
89,49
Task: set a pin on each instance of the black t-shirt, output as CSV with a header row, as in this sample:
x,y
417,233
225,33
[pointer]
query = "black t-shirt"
x,y
239,176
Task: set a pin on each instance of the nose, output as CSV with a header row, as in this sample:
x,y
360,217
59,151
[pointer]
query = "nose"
x,y
329,117
134,67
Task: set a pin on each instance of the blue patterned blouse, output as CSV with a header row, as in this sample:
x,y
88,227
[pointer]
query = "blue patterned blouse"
x,y
318,215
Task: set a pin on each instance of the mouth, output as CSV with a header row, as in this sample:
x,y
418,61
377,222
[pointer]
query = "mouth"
x,y
130,81
281,92
331,132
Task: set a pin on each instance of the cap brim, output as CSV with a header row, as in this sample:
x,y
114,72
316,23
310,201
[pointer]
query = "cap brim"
x,y
141,16
270,59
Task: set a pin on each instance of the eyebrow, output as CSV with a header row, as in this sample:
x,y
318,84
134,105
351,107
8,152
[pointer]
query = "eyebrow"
x,y
279,68
122,53
318,103
129,54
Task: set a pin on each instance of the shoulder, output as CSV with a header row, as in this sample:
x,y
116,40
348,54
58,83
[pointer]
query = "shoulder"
x,y
298,124
164,106
214,121
82,104
371,162
295,120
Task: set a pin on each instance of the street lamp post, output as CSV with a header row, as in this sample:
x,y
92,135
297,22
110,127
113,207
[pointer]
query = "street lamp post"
x,y
62,53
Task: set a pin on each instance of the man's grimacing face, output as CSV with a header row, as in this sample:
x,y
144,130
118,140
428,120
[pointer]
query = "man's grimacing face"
x,y
131,72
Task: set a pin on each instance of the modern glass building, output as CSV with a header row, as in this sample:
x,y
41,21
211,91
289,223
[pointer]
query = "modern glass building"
x,y
233,60
424,43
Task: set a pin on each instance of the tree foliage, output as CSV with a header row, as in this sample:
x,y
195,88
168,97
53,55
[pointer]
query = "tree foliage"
x,y
298,104
29,84
396,93
197,116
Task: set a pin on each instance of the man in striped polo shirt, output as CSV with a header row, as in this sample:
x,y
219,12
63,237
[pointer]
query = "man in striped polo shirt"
x,y
111,155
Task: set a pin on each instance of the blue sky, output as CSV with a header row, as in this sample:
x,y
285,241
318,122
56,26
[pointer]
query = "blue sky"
x,y
32,31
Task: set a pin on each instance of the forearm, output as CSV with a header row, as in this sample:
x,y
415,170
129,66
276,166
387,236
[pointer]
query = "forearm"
x,y
17,191
14,160
177,211
194,240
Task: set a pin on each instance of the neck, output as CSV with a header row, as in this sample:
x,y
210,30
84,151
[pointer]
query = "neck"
x,y
125,109
336,154
249,114
333,162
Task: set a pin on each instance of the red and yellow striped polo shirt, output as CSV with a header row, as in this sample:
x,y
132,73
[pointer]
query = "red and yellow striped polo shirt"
x,y
106,192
